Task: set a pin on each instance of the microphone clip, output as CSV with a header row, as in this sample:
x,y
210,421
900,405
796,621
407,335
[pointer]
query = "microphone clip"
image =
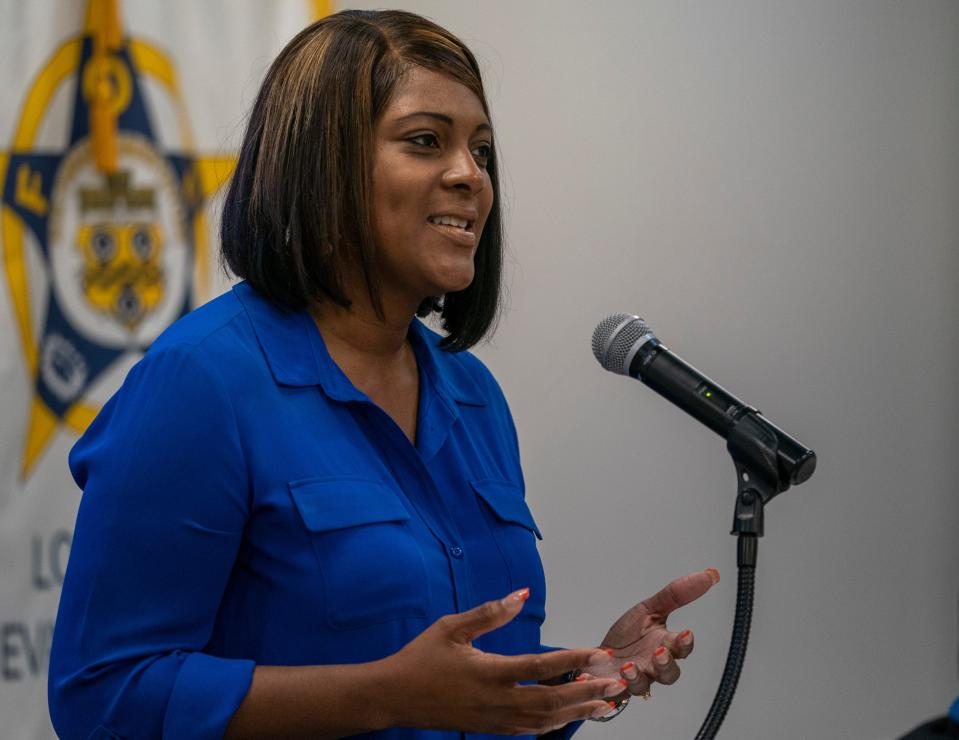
x,y
754,446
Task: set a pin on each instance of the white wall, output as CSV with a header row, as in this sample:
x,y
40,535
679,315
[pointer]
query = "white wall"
x,y
774,186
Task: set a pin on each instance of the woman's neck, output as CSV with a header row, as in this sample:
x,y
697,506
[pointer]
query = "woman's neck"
x,y
376,356
363,343
359,329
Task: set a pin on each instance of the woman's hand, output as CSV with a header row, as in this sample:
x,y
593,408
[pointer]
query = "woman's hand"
x,y
644,650
440,681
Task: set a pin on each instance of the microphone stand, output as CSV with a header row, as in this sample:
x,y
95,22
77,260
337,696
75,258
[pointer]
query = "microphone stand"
x,y
754,447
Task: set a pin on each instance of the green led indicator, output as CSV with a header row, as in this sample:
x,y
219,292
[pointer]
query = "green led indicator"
x,y
709,394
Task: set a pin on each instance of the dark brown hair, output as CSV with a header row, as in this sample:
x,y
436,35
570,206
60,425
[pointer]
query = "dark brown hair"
x,y
298,207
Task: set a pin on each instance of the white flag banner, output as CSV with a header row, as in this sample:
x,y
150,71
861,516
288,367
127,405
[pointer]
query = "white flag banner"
x,y
119,122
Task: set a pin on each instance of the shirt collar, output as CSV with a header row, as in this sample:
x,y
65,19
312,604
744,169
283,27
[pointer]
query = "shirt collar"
x,y
297,355
446,370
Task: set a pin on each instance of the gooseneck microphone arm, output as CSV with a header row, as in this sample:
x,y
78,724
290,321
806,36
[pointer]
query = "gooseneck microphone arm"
x,y
767,462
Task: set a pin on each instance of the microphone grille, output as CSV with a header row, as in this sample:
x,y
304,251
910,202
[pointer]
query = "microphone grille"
x,y
614,338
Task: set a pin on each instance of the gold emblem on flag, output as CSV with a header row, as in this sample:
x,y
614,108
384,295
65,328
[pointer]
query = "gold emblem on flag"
x,y
104,240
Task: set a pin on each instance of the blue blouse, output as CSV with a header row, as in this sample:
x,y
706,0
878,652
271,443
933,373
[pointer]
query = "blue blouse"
x,y
244,503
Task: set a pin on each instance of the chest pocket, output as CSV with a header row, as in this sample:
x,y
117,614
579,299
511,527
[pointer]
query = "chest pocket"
x,y
515,534
371,564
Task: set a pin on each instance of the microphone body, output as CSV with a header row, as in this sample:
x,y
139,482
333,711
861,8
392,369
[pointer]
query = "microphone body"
x,y
624,344
679,382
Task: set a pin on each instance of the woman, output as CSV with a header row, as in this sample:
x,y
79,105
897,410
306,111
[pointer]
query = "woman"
x,y
302,510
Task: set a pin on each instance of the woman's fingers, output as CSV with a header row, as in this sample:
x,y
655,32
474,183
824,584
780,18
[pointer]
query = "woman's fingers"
x,y
579,691
594,709
467,626
680,644
665,669
544,708
636,681
572,714
544,666
681,592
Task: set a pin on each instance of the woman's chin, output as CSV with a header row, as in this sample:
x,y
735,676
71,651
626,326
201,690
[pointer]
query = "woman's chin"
x,y
453,281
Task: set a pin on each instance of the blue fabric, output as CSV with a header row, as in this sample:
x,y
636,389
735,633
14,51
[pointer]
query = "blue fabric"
x,y
954,711
244,503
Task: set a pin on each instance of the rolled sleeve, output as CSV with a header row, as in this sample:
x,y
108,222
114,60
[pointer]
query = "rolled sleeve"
x,y
207,692
165,501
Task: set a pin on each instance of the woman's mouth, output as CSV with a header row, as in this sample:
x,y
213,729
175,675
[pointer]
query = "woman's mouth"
x,y
459,230
459,223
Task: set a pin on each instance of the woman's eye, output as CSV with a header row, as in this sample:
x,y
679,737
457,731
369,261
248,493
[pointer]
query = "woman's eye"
x,y
424,140
483,151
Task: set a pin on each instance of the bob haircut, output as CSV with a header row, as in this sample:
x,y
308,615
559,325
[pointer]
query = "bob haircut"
x,y
299,204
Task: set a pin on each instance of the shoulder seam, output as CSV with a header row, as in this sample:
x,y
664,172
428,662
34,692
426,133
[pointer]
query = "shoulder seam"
x,y
197,341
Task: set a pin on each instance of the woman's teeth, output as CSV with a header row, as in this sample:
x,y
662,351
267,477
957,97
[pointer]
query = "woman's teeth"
x,y
448,221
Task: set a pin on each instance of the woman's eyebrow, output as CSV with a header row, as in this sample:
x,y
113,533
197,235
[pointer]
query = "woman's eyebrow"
x,y
448,120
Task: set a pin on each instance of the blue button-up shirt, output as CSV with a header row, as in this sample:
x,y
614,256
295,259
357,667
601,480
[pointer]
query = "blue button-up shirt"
x,y
244,503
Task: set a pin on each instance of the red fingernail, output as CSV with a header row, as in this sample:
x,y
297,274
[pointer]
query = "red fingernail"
x,y
609,652
624,682
517,597
627,666
612,704
580,677
659,651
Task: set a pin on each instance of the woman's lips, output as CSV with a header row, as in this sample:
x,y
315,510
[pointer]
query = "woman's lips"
x,y
458,235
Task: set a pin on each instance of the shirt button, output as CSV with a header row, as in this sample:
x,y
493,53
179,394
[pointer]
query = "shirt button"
x,y
457,552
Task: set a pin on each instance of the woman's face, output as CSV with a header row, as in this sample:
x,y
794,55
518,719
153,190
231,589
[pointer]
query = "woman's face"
x,y
431,147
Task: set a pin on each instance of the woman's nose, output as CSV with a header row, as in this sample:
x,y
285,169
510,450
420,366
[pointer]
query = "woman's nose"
x,y
464,172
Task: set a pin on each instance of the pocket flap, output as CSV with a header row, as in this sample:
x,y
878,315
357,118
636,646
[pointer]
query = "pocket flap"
x,y
507,502
329,504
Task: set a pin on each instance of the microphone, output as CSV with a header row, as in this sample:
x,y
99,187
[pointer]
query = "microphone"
x,y
625,345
